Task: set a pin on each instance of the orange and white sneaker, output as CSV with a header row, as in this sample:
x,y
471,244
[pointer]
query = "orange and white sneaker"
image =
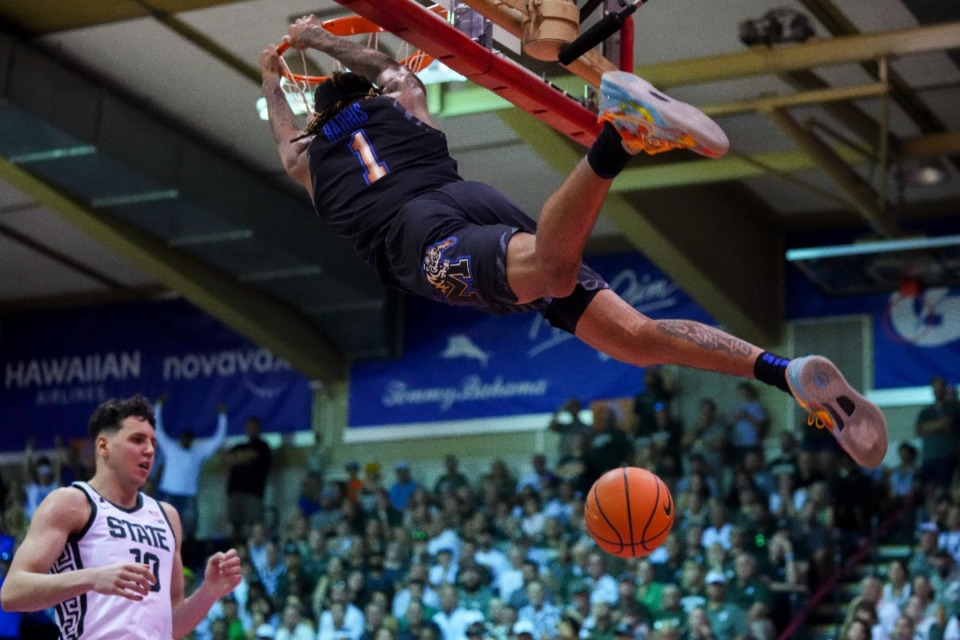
x,y
650,121
856,423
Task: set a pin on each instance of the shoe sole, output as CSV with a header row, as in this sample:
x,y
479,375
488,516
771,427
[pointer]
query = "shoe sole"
x,y
653,122
858,424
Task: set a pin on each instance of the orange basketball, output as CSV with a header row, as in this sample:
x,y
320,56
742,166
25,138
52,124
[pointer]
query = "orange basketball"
x,y
629,512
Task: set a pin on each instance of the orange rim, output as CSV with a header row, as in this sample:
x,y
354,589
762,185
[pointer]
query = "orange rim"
x,y
357,25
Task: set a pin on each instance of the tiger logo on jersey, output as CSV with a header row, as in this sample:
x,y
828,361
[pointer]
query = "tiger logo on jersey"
x,y
452,278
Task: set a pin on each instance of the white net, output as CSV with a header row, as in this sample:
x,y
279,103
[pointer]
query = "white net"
x,y
299,96
298,85
298,92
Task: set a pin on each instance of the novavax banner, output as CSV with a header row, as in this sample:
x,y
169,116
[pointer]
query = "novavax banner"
x,y
58,366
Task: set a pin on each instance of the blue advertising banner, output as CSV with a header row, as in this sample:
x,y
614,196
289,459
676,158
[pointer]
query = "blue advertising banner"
x,y
916,334
58,366
459,364
917,337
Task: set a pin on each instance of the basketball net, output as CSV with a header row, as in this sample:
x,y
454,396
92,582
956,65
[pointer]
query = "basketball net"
x,y
296,90
298,86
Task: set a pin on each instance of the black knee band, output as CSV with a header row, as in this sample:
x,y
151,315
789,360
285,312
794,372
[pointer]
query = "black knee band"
x,y
564,313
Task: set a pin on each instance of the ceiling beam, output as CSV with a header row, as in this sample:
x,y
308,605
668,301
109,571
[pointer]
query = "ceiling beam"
x,y
821,95
837,23
731,167
934,144
62,301
818,53
39,18
863,198
463,100
737,167
65,260
847,113
261,318
900,92
709,271
206,43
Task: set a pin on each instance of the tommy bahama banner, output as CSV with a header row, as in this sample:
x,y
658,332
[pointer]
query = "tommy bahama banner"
x,y
459,364
462,365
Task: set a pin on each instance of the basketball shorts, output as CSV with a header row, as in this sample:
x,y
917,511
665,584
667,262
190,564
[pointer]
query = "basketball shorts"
x,y
450,244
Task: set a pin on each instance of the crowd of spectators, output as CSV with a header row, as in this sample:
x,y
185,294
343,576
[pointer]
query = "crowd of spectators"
x,y
503,554
917,597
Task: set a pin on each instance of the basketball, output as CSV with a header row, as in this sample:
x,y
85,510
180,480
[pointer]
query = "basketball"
x,y
629,512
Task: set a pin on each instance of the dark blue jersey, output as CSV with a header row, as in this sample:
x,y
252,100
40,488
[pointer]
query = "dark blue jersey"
x,y
367,162
385,181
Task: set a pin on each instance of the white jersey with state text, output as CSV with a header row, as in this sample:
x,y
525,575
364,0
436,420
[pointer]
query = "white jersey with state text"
x,y
114,534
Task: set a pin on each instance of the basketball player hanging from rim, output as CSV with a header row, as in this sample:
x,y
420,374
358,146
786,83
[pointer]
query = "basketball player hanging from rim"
x,y
380,174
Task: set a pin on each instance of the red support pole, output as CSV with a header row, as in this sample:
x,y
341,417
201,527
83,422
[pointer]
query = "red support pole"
x,y
425,30
626,45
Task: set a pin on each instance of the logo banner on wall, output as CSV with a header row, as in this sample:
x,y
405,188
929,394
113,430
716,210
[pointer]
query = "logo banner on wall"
x,y
460,365
58,366
917,337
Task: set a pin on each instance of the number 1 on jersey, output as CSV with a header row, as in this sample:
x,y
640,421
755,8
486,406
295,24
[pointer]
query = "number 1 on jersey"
x,y
361,147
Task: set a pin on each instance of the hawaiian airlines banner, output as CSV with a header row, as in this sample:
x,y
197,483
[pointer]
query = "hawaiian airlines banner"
x,y
464,365
58,366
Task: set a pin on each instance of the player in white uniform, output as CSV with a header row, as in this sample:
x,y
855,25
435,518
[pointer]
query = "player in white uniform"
x,y
114,534
107,556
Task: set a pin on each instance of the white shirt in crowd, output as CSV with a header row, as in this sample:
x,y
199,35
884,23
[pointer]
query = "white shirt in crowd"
x,y
604,589
303,631
446,539
402,600
453,625
509,581
352,622
495,559
721,535
544,620
181,467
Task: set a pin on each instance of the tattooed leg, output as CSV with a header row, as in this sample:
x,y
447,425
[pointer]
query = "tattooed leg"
x,y
704,336
614,327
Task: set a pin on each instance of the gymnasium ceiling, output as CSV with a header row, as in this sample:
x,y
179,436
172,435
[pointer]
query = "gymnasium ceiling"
x,y
133,163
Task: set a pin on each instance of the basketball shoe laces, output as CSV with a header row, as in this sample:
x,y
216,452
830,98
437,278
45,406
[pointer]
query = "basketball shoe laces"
x,y
817,416
820,419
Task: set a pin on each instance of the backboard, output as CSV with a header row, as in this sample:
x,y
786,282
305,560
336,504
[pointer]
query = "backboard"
x,y
896,265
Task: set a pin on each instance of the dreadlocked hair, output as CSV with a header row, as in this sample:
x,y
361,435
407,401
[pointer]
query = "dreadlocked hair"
x,y
335,94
